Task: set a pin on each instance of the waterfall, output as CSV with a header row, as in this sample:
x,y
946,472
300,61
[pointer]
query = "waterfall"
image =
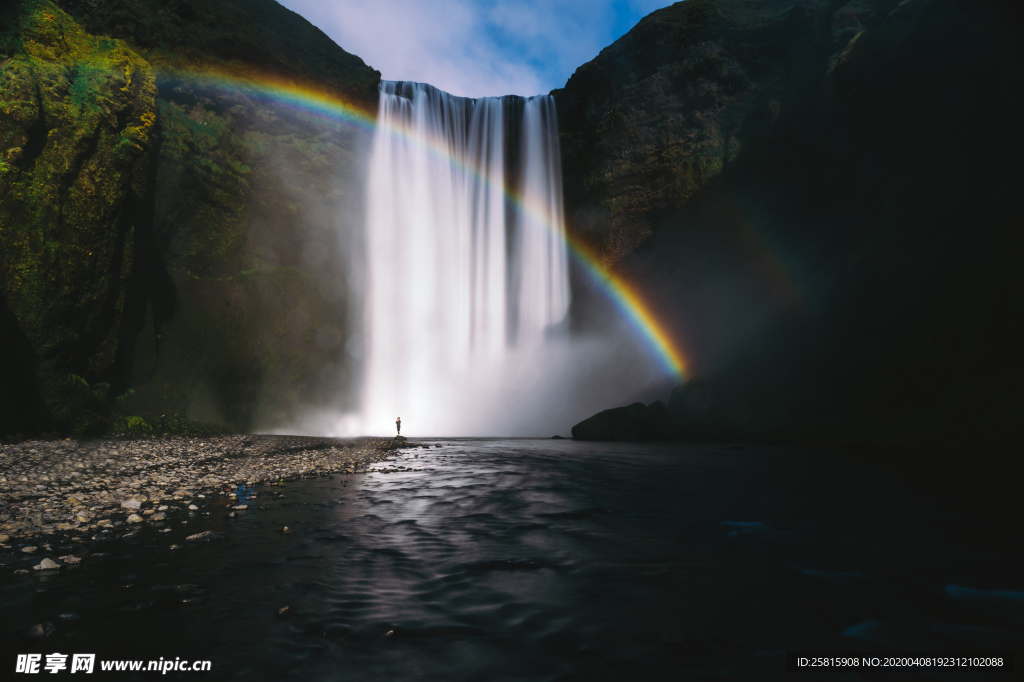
x,y
467,277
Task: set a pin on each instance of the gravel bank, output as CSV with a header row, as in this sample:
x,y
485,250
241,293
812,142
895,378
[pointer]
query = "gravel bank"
x,y
59,492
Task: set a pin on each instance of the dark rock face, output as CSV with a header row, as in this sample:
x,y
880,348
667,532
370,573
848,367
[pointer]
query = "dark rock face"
x,y
806,196
166,239
695,411
636,422
670,105
251,204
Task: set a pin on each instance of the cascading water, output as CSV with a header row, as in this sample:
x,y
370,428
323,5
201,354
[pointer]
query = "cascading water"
x,y
466,260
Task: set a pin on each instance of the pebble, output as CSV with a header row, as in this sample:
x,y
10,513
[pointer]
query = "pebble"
x,y
205,536
69,559
176,547
88,490
46,565
286,531
40,631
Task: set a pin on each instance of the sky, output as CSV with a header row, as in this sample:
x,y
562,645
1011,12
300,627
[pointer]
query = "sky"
x,y
476,48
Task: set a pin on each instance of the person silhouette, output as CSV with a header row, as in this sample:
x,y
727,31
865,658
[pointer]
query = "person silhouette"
x,y
398,423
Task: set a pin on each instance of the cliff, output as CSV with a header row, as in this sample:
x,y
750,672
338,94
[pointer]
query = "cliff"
x,y
77,125
816,197
819,197
170,238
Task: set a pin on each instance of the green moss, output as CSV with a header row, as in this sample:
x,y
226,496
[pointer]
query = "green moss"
x,y
161,426
206,197
78,119
134,423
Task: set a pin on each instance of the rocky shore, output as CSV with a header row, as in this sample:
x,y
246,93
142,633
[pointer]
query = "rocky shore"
x,y
58,496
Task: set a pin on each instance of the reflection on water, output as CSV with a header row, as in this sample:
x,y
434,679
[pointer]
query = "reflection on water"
x,y
545,560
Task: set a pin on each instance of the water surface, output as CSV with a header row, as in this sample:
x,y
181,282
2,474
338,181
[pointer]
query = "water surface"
x,y
549,560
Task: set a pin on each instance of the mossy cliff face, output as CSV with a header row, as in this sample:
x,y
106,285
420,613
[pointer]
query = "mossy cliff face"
x,y
257,36
218,289
253,203
77,116
249,350
818,199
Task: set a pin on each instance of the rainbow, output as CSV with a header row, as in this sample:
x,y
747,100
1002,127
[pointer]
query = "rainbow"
x,y
633,308
279,90
328,105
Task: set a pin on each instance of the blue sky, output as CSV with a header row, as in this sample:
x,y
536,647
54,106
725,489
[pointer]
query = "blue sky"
x,y
476,48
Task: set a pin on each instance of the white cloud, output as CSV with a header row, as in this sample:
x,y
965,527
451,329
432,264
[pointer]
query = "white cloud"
x,y
475,48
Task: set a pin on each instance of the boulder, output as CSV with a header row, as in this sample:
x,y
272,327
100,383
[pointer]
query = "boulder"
x,y
636,422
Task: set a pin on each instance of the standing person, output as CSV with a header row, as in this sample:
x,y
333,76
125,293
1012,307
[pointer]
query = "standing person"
x,y
398,423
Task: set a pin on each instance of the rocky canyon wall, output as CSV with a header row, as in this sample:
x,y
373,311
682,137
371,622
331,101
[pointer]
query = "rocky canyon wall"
x,y
819,197
171,244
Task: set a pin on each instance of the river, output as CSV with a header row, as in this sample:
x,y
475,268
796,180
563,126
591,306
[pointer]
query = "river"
x,y
523,559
